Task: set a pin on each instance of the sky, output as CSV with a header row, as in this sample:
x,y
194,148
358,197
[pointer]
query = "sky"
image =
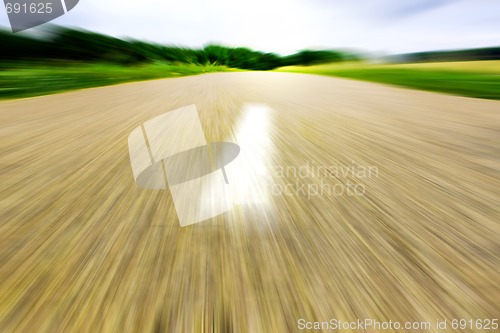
x,y
286,26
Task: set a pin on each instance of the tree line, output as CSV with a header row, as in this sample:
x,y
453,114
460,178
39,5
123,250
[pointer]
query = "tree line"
x,y
487,53
85,46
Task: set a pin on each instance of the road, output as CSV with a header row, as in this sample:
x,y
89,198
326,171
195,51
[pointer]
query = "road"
x,y
83,249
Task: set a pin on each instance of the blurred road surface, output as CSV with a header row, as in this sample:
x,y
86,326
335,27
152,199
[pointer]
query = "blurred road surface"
x,y
83,249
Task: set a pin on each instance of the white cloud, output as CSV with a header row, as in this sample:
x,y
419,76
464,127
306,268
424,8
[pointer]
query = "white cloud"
x,y
286,26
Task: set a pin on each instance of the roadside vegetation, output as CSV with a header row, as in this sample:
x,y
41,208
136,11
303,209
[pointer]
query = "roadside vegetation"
x,y
29,79
480,79
67,59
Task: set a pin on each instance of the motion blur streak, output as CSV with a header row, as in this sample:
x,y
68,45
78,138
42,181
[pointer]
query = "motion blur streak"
x,y
83,249
250,172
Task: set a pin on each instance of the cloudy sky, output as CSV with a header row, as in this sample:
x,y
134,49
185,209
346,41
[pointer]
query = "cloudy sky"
x,y
285,26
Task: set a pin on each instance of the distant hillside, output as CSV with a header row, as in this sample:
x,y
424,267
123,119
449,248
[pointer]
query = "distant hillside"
x,y
489,53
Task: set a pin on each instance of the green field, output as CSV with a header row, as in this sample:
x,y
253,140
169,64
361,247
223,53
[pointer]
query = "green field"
x,y
34,79
480,79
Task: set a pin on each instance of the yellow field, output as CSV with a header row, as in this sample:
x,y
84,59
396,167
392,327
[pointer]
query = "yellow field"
x,y
487,66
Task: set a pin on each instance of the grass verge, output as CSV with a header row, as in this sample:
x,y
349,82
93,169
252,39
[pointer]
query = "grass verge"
x,y
472,79
34,79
